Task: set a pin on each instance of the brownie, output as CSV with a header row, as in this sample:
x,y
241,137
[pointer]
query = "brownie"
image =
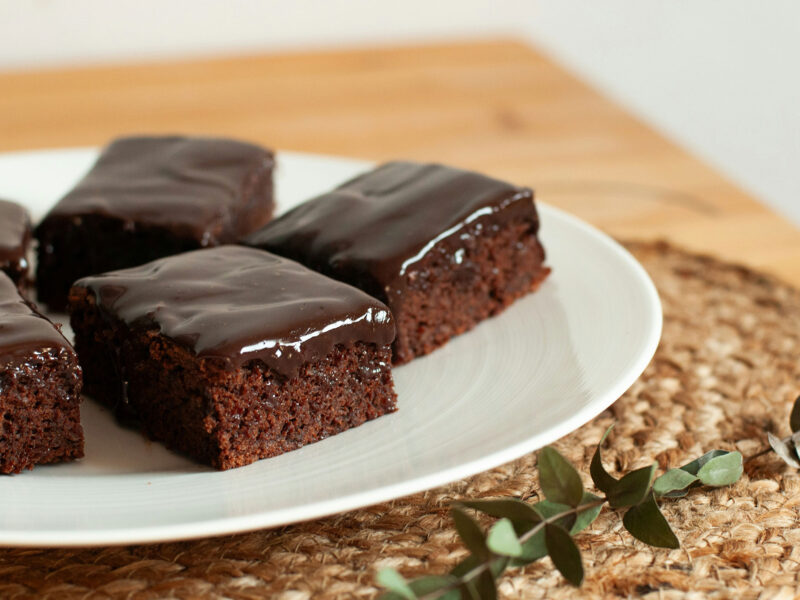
x,y
15,241
231,354
150,197
442,247
40,387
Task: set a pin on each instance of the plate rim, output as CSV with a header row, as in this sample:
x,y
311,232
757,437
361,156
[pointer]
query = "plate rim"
x,y
321,509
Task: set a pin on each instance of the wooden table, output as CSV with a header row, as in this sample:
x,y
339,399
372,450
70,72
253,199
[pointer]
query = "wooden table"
x,y
500,107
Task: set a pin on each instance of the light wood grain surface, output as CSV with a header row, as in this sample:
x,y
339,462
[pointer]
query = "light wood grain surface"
x,y
499,107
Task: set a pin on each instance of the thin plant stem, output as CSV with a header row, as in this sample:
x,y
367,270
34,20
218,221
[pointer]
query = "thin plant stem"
x,y
769,449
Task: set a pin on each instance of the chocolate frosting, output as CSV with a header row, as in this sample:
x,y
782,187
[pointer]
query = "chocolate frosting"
x,y
242,304
24,333
15,237
211,190
374,229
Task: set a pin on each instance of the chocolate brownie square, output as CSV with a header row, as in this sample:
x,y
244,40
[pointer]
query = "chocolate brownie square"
x,y
442,247
40,387
232,354
150,197
15,242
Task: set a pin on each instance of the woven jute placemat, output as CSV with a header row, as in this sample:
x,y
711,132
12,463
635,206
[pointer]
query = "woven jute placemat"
x,y
726,372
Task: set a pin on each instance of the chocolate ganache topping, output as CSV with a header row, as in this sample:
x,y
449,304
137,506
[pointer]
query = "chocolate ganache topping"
x,y
15,235
242,304
199,188
24,334
374,229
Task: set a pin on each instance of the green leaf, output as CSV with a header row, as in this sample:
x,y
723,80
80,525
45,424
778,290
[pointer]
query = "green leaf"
x,y
548,510
600,476
465,566
469,591
502,539
586,517
722,470
486,586
794,441
782,449
396,583
674,483
559,480
508,508
449,595
633,488
572,523
532,550
470,533
794,418
434,583
535,548
694,466
498,565
564,553
646,523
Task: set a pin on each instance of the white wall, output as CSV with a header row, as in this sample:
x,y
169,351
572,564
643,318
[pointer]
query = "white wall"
x,y
719,76
722,77
56,32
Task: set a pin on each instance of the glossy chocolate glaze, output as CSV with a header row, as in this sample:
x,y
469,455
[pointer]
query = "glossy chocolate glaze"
x,y
24,333
15,239
373,230
210,190
242,304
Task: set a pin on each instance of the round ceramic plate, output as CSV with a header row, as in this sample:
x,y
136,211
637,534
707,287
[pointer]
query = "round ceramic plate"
x,y
521,380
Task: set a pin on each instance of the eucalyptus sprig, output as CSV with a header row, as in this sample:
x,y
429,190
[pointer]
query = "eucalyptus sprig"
x,y
526,532
787,448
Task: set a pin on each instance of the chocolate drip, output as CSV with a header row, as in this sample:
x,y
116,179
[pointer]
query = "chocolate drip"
x,y
372,230
15,237
209,190
25,334
242,304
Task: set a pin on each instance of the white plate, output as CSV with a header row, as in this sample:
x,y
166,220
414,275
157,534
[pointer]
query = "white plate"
x,y
517,382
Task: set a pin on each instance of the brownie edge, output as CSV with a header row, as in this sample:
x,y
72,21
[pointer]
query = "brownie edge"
x,y
40,388
230,355
150,197
444,248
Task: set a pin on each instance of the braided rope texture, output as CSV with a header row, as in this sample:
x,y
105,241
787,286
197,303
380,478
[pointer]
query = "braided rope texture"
x,y
726,372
